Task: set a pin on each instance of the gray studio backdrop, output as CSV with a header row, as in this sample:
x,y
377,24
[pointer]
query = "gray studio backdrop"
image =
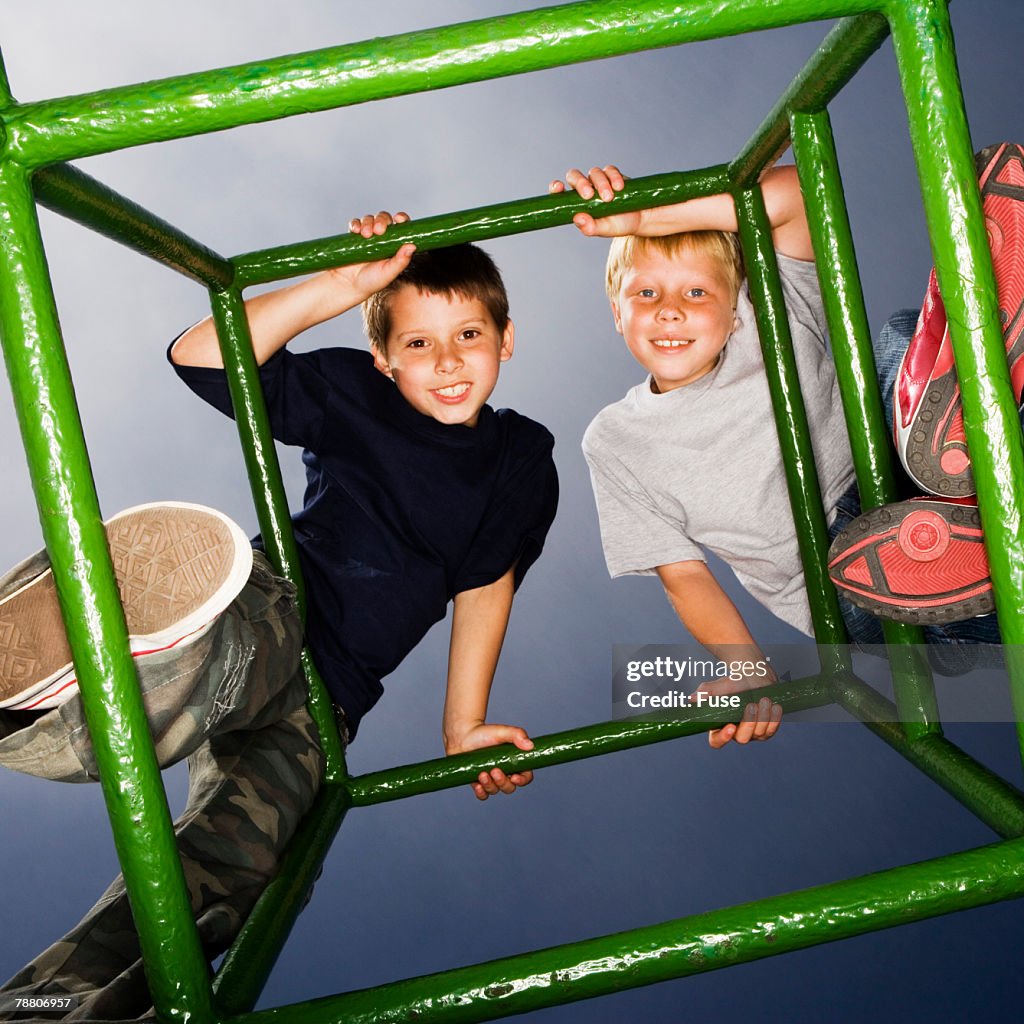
x,y
594,847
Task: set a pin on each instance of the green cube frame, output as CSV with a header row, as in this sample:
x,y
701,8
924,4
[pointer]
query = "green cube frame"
x,y
37,139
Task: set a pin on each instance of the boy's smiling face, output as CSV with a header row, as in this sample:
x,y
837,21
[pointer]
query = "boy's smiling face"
x,y
443,353
676,314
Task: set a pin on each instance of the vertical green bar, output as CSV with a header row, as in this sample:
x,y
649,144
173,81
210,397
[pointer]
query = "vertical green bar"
x,y
268,493
790,415
44,396
818,166
923,42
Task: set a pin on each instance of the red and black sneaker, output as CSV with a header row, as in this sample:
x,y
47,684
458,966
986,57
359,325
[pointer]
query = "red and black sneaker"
x,y
927,417
920,561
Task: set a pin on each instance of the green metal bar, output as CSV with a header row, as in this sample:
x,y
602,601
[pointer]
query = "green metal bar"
x,y
841,55
473,225
574,745
74,194
992,799
250,960
675,949
923,41
268,494
76,126
790,415
6,99
70,517
818,166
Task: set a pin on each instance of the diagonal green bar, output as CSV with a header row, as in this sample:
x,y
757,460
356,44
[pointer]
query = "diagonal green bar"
x,y
76,126
44,396
923,41
250,960
676,949
573,745
74,194
994,800
473,225
790,415
841,55
818,166
268,493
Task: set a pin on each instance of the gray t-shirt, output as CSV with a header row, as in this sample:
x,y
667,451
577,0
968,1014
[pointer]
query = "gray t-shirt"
x,y
700,467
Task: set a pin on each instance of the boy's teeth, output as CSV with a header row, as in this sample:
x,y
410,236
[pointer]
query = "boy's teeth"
x,y
671,342
454,391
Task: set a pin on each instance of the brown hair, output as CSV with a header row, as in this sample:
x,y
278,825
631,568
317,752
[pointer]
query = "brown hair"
x,y
721,246
464,270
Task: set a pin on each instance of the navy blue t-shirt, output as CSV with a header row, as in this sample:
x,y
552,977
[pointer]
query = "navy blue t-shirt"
x,y
401,512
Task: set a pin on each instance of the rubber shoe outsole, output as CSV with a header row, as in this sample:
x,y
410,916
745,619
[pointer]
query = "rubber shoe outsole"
x,y
929,433
177,567
921,562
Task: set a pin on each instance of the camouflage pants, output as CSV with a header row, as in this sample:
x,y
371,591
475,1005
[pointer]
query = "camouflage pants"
x,y
233,703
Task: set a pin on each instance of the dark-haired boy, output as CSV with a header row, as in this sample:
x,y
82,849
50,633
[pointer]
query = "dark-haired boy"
x,y
418,493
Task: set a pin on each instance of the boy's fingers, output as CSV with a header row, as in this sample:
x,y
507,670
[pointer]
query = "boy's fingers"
x,y
585,223
556,186
718,738
580,182
599,179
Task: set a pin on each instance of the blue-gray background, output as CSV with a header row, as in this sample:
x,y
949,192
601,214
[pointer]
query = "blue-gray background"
x,y
594,847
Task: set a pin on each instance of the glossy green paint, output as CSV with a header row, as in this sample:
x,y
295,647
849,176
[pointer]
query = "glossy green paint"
x,y
818,166
76,126
74,194
923,43
790,415
473,225
994,801
841,55
272,513
250,960
573,745
690,945
41,134
70,517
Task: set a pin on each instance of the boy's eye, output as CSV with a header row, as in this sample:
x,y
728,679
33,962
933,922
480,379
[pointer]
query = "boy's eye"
x,y
470,334
696,293
418,343
646,293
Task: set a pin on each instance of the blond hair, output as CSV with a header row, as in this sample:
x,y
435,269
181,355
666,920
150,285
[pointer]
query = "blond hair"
x,y
721,246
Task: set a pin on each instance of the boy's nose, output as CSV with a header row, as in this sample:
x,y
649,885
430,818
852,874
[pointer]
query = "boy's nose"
x,y
448,360
670,312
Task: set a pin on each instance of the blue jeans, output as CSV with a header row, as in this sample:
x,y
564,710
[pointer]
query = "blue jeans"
x,y
959,649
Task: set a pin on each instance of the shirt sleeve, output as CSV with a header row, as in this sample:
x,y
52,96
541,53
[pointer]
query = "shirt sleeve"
x,y
296,389
516,525
803,295
636,535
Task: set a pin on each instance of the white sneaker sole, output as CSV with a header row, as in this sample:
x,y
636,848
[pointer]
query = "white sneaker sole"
x,y
177,567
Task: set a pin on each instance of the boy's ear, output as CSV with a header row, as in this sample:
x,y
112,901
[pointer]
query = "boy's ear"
x,y
380,360
508,342
617,317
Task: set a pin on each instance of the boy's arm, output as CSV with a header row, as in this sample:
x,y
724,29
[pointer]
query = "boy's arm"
x,y
782,197
478,629
278,316
707,612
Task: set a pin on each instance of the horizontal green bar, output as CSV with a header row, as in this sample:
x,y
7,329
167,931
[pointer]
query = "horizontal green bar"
x,y
841,55
675,949
509,218
996,802
250,960
69,127
74,194
572,745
